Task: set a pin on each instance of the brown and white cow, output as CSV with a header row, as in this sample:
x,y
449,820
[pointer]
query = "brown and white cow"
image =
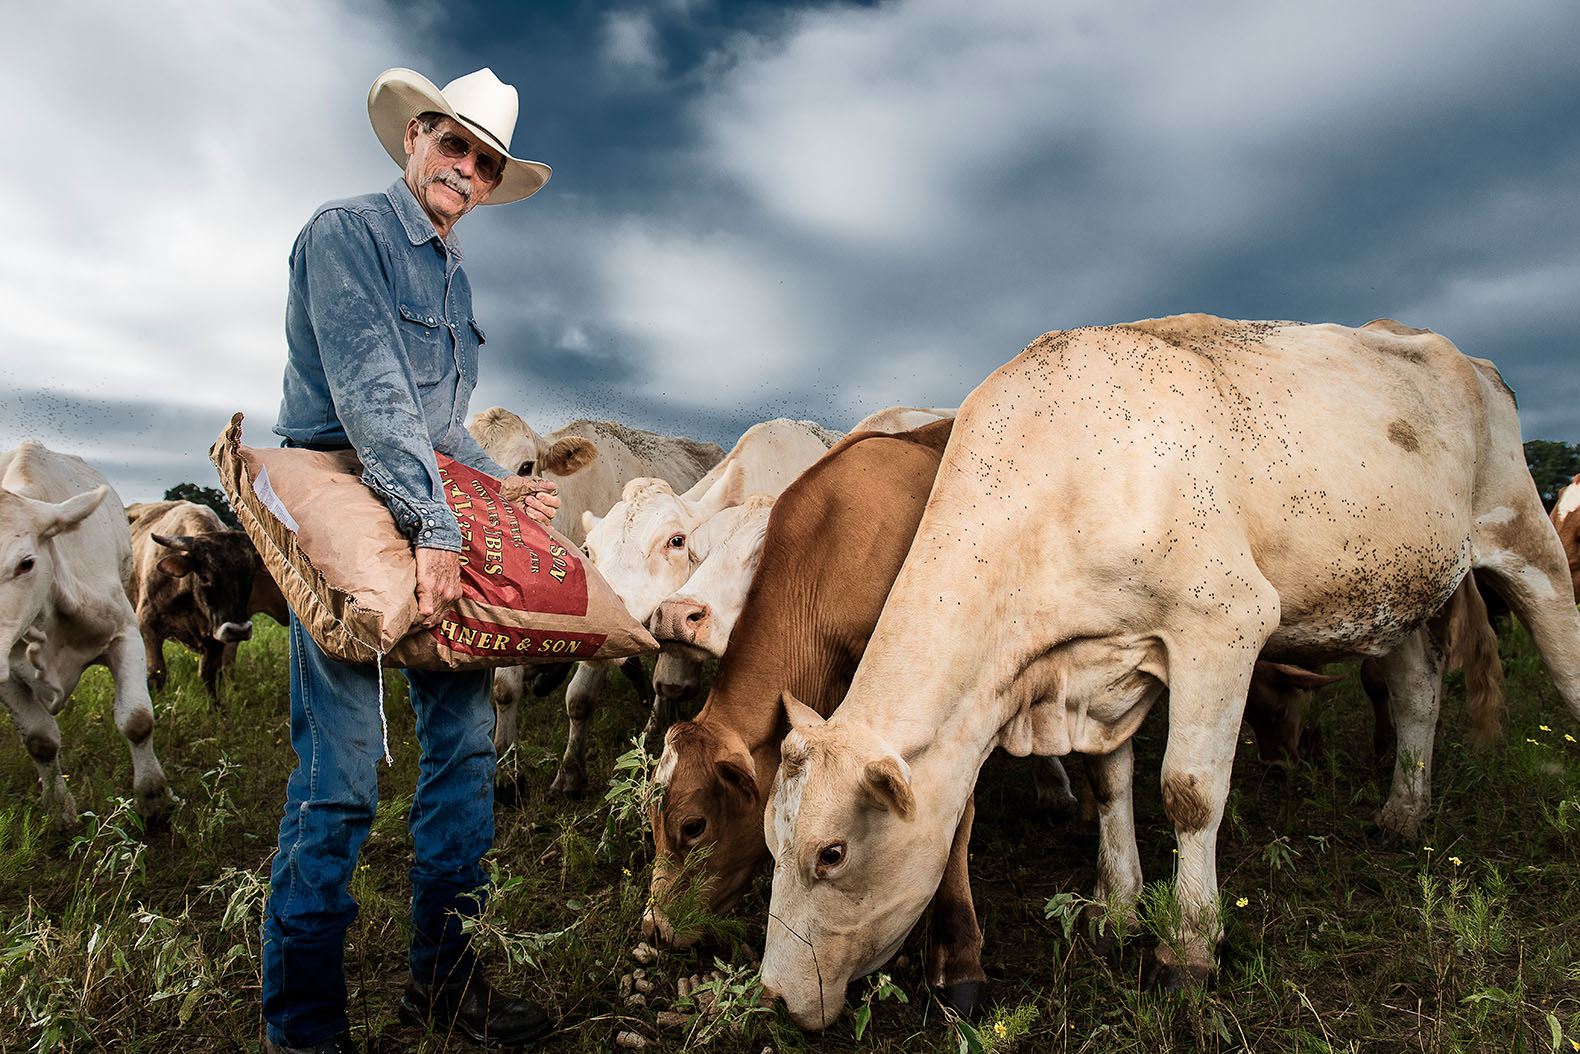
x,y
1134,510
1566,520
590,462
644,548
65,565
192,580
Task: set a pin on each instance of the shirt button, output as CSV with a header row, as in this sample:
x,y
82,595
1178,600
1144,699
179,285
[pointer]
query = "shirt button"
x,y
431,320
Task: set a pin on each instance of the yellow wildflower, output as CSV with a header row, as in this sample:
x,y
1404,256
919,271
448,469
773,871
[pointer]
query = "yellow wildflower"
x,y
999,1030
1242,902
1544,728
1456,861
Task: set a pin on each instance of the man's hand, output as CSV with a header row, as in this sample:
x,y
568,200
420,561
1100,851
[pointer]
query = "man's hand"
x,y
438,584
537,497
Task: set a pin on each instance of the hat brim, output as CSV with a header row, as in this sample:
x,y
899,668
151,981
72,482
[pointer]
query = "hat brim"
x,y
400,94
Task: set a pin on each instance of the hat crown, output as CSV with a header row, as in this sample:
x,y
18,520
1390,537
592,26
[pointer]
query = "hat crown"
x,y
482,99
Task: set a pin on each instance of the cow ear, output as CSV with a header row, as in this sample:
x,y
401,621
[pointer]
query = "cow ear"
x,y
739,775
888,781
1299,676
727,491
589,521
802,717
568,456
175,565
69,513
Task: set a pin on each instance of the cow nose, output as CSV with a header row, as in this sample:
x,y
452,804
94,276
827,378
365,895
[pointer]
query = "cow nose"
x,y
232,632
682,619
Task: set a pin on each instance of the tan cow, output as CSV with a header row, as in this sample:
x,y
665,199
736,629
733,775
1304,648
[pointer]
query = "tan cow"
x,y
65,563
644,548
1566,520
1128,511
591,462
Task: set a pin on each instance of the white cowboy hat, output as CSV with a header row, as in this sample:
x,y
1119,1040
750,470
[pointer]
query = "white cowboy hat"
x,y
480,101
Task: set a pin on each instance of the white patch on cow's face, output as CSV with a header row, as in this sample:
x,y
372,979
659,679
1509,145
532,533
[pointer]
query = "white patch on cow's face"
x,y
786,800
666,762
1568,500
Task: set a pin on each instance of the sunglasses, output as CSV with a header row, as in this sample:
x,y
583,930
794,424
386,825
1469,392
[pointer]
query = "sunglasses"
x,y
454,147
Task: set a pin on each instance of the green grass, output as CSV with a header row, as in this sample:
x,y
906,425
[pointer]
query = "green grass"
x,y
116,939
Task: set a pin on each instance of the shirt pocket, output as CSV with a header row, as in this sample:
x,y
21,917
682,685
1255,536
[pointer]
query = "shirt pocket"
x,y
428,345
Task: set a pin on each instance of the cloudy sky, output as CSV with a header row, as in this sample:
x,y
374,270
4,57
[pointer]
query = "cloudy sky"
x,y
762,209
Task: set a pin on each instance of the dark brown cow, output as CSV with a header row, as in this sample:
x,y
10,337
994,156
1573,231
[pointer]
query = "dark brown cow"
x,y
1566,518
192,579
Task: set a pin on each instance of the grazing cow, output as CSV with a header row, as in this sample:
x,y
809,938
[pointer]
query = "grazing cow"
x,y
1134,510
192,579
903,419
1566,520
644,549
65,566
591,462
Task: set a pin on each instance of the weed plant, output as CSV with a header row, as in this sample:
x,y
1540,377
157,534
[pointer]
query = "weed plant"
x,y
116,938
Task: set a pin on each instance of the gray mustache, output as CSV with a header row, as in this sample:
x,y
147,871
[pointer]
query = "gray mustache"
x,y
456,182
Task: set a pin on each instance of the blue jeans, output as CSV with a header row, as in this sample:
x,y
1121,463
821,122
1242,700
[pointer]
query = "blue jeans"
x,y
329,805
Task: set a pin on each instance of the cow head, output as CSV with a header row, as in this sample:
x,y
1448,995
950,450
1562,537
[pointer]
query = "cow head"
x,y
27,560
1275,708
513,443
216,568
855,862
698,617
711,806
643,547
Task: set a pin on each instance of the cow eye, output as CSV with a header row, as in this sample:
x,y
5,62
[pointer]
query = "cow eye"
x,y
691,830
831,856
525,468
24,565
677,541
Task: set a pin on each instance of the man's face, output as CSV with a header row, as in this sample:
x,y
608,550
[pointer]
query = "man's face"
x,y
446,187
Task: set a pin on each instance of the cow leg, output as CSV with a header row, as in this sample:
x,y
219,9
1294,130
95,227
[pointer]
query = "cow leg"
x,y
41,739
1529,570
1110,778
154,655
509,681
1208,684
210,661
955,967
1413,673
550,676
1054,794
581,700
676,679
134,717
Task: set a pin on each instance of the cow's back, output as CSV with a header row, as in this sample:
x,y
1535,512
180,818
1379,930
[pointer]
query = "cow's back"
x,y
624,454
99,550
1344,459
770,455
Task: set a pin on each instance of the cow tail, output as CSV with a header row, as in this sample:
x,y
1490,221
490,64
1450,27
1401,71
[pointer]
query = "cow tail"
x,y
1473,647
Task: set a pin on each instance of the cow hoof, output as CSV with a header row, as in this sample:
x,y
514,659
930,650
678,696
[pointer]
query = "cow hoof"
x,y
963,996
568,788
1384,838
1172,980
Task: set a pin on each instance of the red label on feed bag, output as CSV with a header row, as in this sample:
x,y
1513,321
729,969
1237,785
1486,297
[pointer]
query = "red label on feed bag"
x,y
507,559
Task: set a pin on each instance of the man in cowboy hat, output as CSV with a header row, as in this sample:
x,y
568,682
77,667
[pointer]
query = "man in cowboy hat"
x,y
383,354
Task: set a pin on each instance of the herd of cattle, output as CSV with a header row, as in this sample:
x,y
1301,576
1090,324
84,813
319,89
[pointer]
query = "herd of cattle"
x,y
1185,508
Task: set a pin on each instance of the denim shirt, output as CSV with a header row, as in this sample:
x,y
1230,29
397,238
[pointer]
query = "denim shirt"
x,y
382,353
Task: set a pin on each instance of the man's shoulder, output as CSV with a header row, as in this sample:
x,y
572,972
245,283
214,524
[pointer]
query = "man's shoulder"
x,y
368,206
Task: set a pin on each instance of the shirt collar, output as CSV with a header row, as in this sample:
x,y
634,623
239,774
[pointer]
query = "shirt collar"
x,y
419,228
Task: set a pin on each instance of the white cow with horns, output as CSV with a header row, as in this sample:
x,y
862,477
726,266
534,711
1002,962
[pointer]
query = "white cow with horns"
x,y
1137,511
65,563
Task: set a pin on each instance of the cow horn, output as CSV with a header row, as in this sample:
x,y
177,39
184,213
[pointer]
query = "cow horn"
x,y
183,542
